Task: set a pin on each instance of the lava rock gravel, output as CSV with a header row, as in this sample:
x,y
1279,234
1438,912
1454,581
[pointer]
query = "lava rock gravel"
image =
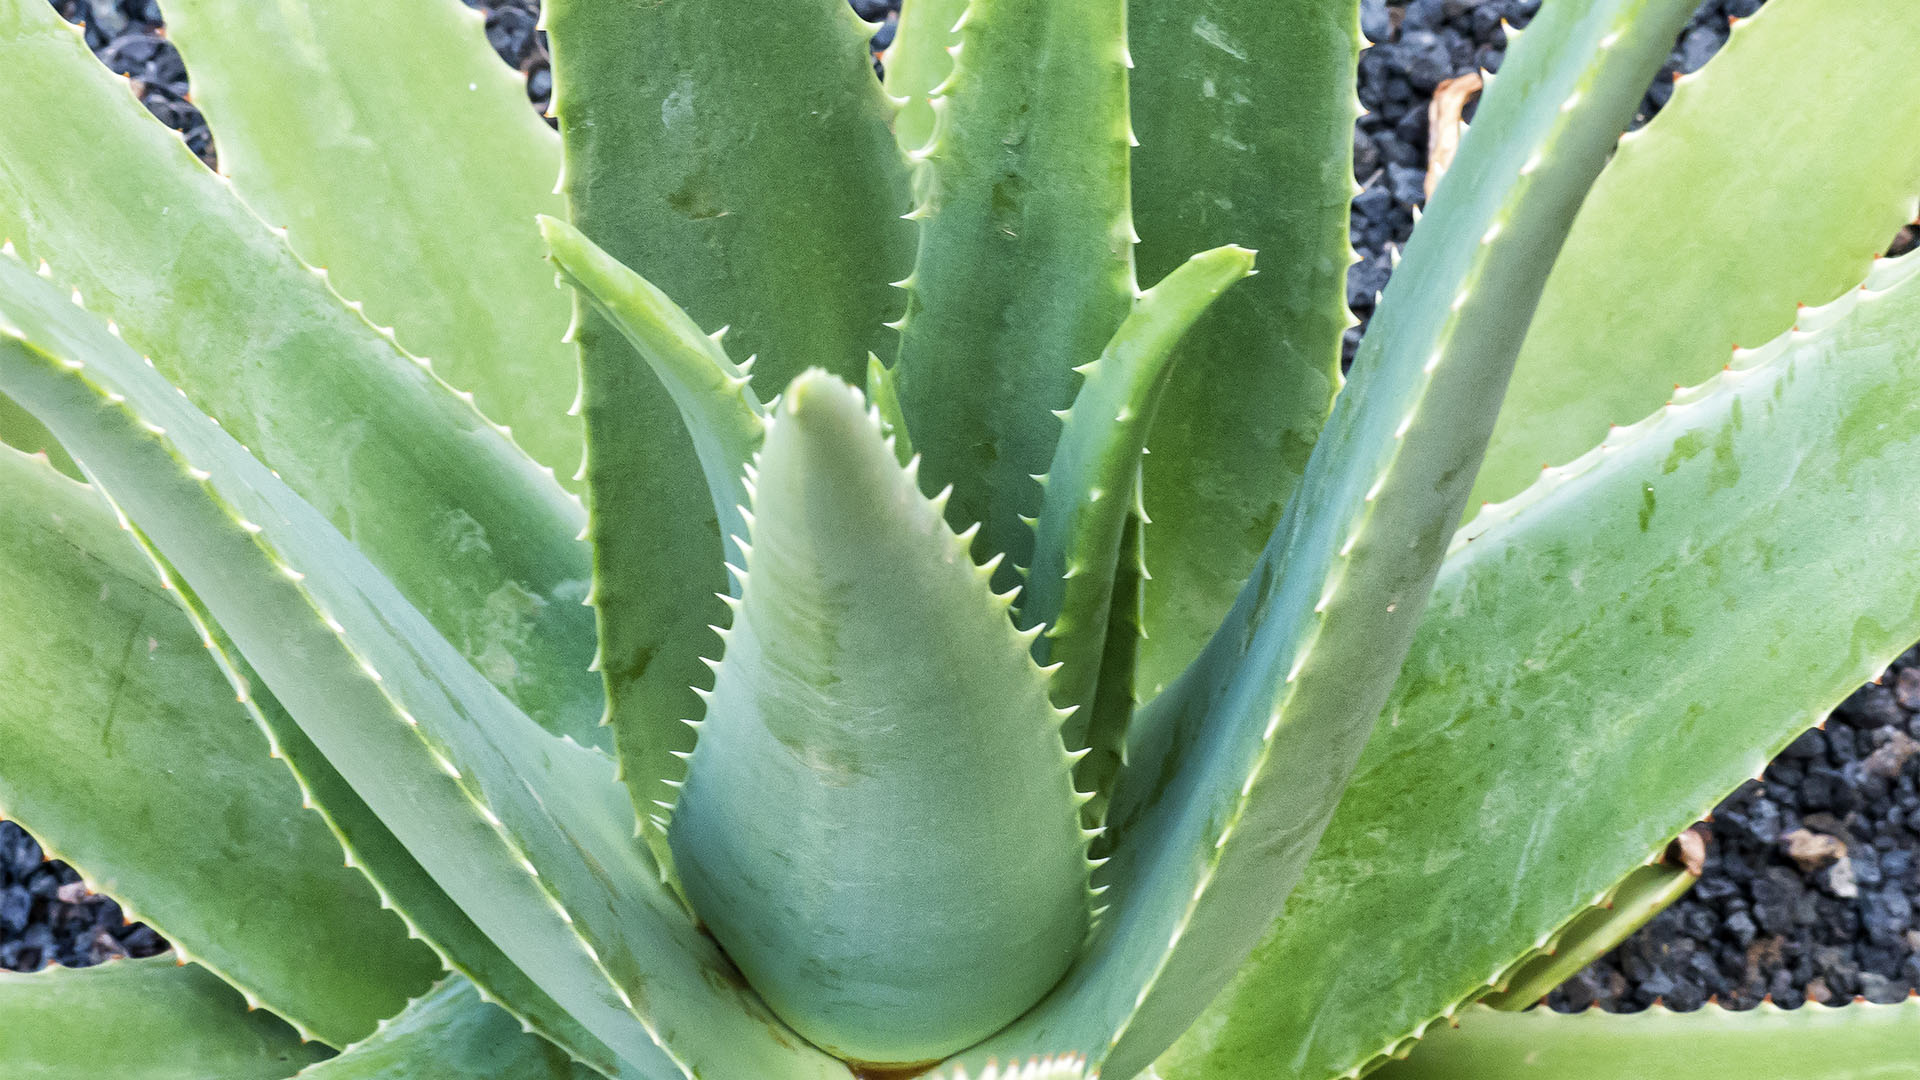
x,y
1812,876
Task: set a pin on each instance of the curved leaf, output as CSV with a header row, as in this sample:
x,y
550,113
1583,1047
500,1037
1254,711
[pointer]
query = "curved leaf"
x,y
399,154
880,755
1025,267
155,784
1245,113
528,832
1241,762
1686,249
140,1020
745,168
1564,710
1092,494
475,534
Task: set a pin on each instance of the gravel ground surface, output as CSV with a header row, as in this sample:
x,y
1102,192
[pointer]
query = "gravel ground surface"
x,y
1812,875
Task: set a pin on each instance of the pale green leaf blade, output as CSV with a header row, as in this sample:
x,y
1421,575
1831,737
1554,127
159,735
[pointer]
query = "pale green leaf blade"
x,y
157,786
1245,110
917,63
449,1033
1565,712
1091,495
21,431
477,536
876,709
884,393
398,152
716,403
400,880
744,167
140,1020
1688,246
1855,1042
1243,760
531,834
1646,891
1025,267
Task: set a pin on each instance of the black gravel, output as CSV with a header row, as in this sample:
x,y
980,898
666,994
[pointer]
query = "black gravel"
x,y
1812,877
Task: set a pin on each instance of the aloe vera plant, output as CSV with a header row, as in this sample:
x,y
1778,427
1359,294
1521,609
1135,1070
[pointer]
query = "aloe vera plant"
x,y
908,763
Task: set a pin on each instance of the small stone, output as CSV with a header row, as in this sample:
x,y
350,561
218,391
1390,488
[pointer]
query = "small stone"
x,y
1891,757
1838,879
1812,850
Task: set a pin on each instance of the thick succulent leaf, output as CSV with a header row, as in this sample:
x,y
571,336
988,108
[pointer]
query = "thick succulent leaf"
x,y
918,62
1026,252
451,1034
1245,113
403,885
1092,494
1243,760
1565,710
1642,894
715,401
473,532
150,1019
876,710
399,154
528,832
1854,1042
744,166
1686,249
128,756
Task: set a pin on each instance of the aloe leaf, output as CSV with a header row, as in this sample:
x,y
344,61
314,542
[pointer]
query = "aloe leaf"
x,y
745,168
1245,113
1643,893
475,534
1566,693
21,431
157,788
529,833
1026,252
872,677
400,155
884,393
1855,1042
712,393
724,417
1091,494
147,1019
449,1033
1242,761
403,885
917,63
1685,249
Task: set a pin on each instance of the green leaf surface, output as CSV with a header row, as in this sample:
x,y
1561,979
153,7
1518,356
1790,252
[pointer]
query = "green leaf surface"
x,y
1643,893
401,155
1092,492
1854,1042
140,1020
475,534
1242,761
1025,267
876,710
744,167
402,883
450,1034
21,431
917,63
529,833
1245,113
1688,246
716,403
156,785
1566,709
884,393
